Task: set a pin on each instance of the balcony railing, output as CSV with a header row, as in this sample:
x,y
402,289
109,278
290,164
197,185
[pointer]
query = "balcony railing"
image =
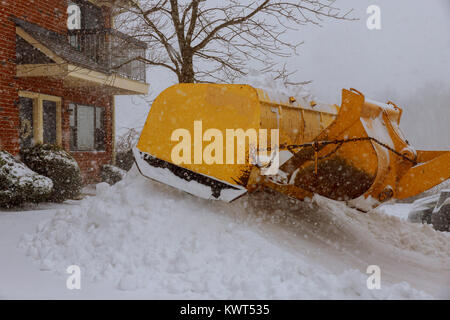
x,y
113,50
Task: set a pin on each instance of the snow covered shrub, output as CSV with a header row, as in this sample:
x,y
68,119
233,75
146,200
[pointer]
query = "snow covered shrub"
x,y
18,184
125,159
112,174
58,165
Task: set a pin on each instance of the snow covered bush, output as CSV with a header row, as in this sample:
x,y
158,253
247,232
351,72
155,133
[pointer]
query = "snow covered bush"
x,y
18,184
125,159
112,174
58,165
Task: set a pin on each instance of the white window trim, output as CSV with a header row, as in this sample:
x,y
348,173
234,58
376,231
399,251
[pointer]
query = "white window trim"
x,y
76,105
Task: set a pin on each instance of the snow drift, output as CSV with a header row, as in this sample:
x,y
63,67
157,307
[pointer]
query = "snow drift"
x,y
144,235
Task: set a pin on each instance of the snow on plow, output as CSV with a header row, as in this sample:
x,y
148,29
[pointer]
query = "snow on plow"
x,y
219,141
188,181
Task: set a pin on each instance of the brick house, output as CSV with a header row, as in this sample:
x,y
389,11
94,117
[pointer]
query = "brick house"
x,y
58,85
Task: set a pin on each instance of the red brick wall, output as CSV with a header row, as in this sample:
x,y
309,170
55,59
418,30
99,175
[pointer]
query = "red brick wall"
x,y
90,162
50,14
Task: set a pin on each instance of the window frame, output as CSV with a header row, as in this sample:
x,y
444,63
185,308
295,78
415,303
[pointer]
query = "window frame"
x,y
38,115
86,8
74,140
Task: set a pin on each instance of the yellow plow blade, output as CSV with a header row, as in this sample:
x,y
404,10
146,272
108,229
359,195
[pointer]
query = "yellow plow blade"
x,y
200,138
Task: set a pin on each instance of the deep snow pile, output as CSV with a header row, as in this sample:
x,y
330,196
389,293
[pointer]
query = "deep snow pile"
x,y
141,234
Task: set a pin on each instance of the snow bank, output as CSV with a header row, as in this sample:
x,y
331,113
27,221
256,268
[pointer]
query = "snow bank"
x,y
401,237
141,234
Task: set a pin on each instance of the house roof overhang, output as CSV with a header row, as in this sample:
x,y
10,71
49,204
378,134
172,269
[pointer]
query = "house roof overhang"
x,y
78,77
70,65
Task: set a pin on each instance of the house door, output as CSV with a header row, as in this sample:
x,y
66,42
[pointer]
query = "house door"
x,y
26,133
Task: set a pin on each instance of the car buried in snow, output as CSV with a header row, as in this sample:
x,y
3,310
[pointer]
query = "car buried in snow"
x,y
434,209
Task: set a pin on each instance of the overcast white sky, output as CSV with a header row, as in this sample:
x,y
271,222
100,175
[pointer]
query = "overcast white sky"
x,y
407,61
412,48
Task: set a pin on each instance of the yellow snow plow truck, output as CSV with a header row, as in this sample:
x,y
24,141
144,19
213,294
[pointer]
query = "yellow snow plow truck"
x,y
220,141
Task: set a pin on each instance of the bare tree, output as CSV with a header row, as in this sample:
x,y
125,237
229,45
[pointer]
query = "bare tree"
x,y
217,40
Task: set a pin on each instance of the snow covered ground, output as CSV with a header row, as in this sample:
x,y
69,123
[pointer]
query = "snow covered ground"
x,y
140,239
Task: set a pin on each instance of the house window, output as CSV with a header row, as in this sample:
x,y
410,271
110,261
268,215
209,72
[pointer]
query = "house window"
x,y
87,128
26,122
40,119
84,15
73,16
85,24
